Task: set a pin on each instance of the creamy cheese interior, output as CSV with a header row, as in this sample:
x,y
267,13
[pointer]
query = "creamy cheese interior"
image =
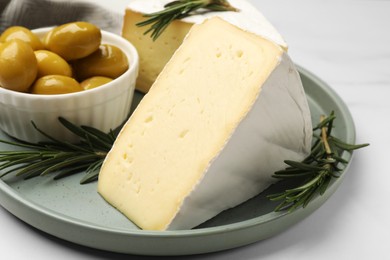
x,y
184,121
153,54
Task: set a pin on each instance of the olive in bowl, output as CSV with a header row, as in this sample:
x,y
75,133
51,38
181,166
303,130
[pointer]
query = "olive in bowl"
x,y
18,66
105,107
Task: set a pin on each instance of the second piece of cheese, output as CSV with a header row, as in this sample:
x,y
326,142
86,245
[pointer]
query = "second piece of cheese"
x,y
220,119
155,54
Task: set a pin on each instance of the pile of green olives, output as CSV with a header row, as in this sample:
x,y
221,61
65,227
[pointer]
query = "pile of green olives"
x,y
69,58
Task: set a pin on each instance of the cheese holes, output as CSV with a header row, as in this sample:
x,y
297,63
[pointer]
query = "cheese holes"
x,y
149,119
127,159
183,133
185,61
129,176
239,53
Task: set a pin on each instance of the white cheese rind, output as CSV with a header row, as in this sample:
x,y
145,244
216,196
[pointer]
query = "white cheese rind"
x,y
266,137
248,18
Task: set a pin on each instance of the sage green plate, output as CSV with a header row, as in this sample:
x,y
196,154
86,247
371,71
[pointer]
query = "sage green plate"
x,y
78,214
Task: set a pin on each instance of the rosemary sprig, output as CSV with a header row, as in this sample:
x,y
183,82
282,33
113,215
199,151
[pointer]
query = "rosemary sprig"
x,y
316,171
58,157
179,9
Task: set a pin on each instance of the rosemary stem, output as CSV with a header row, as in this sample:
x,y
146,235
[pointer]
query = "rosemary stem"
x,y
324,137
101,154
225,4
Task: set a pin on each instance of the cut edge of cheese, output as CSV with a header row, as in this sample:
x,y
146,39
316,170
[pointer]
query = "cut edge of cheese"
x,y
172,163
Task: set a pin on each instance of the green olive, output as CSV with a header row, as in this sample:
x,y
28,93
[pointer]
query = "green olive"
x,y
73,40
18,65
55,84
94,82
24,34
108,61
50,63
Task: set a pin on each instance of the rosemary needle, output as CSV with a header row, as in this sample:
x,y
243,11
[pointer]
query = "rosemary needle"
x,y
58,157
316,171
179,9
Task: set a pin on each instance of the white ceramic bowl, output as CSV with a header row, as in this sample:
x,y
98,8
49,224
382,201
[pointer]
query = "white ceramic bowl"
x,y
105,107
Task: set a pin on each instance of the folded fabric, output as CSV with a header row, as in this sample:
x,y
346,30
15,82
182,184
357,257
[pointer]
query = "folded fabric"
x,y
41,13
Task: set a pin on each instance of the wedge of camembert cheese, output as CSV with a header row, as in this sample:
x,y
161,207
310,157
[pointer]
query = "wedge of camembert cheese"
x,y
221,118
155,54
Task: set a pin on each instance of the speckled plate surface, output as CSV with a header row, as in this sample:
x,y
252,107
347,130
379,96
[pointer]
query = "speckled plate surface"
x,y
78,214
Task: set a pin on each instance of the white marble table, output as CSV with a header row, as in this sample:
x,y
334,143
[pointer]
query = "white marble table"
x,y
347,44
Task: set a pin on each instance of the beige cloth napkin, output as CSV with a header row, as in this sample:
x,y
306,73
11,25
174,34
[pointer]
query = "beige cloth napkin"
x,y
41,13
